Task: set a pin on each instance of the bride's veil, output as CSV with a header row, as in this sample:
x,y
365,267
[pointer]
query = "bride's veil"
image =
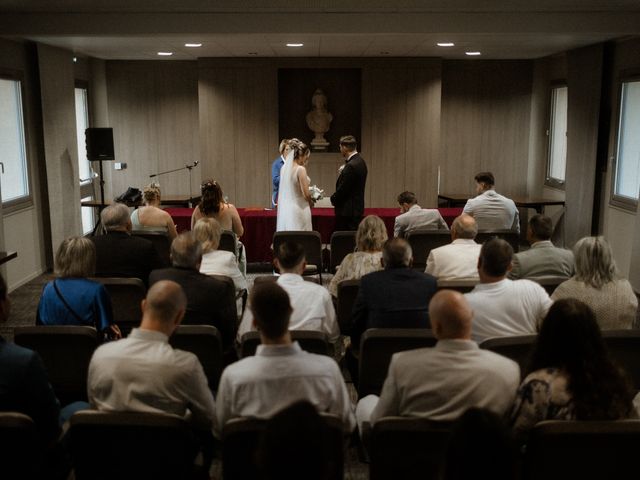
x,y
286,192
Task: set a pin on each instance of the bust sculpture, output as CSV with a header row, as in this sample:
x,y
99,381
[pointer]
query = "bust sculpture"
x,y
319,120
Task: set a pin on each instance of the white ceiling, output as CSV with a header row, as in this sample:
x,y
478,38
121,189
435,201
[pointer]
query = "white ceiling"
x,y
138,29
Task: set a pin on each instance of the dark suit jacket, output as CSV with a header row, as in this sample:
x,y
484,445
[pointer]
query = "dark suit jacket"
x,y
24,388
348,198
210,301
119,254
392,298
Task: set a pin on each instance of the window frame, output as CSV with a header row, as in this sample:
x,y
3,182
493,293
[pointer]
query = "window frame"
x,y
620,201
25,201
87,188
550,181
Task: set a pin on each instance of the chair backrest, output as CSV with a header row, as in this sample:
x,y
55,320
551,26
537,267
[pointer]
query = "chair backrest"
x,y
423,241
160,241
311,243
108,445
342,243
624,348
549,283
583,449
228,242
241,440
462,286
511,236
126,296
19,453
517,348
66,352
274,278
204,342
347,294
407,448
309,340
378,345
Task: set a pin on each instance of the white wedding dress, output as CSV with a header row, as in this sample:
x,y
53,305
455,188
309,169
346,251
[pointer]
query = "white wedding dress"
x,y
294,212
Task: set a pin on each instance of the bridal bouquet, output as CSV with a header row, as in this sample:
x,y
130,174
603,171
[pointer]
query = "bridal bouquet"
x,y
316,193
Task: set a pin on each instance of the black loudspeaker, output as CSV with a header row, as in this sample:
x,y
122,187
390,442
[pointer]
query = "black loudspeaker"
x,y
99,144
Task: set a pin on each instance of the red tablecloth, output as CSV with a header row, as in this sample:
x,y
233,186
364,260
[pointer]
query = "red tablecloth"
x,y
260,224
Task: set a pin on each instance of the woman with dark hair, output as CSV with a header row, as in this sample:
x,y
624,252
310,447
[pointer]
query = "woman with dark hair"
x,y
572,376
213,205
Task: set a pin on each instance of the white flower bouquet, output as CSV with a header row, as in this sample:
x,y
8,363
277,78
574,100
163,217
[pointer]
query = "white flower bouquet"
x,y
316,193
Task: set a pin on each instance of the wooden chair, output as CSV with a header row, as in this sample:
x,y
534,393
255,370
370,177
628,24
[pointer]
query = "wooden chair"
x,y
160,241
510,236
204,342
549,283
228,242
311,243
341,244
378,345
19,454
462,286
66,352
309,340
517,348
126,297
423,241
347,294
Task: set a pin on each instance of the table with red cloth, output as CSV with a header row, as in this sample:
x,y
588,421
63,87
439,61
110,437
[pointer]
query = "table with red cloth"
x,y
260,224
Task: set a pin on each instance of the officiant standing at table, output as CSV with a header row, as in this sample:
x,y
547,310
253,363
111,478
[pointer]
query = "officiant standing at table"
x,y
348,198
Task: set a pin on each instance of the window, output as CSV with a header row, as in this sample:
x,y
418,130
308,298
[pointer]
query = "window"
x,y
626,182
557,161
14,175
84,166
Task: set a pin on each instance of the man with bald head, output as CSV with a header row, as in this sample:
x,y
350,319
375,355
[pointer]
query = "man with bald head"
x,y
459,259
143,373
441,383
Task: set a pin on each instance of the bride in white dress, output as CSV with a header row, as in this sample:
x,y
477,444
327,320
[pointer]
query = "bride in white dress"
x,y
294,198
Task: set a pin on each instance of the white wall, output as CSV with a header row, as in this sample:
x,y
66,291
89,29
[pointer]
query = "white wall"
x,y
22,235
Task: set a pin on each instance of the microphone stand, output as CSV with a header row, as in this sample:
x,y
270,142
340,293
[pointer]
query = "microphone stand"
x,y
186,167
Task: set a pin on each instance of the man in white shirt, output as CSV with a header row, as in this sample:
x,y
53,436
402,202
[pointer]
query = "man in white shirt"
x,y
503,307
312,305
441,383
280,373
459,259
413,217
491,210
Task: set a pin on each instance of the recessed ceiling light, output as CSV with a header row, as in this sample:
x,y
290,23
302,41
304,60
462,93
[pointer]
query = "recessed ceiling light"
x,y
445,44
75,59
295,44
472,53
193,45
165,54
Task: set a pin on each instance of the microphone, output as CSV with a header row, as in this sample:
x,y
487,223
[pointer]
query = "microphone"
x,y
154,175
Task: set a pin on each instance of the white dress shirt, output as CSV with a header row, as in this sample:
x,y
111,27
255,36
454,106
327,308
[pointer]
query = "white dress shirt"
x,y
143,373
507,307
456,261
416,218
493,211
221,262
277,376
312,308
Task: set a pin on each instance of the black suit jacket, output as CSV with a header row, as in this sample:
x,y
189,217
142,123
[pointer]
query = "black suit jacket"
x,y
119,254
348,198
392,298
210,301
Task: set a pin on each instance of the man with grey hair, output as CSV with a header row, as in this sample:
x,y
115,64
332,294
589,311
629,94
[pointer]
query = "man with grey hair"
x,y
396,297
459,259
118,253
210,300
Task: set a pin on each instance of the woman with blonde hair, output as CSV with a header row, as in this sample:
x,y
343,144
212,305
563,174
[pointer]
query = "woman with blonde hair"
x,y
151,217
596,283
370,237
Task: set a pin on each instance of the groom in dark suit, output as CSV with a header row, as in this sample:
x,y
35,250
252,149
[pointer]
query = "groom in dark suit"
x,y
348,198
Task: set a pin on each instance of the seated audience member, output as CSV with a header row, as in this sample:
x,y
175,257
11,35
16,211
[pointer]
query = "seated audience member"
x,y
459,259
491,210
311,303
371,235
151,217
118,253
24,386
413,217
597,284
143,373
503,307
210,301
572,375
396,297
441,383
481,446
281,372
73,299
542,259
